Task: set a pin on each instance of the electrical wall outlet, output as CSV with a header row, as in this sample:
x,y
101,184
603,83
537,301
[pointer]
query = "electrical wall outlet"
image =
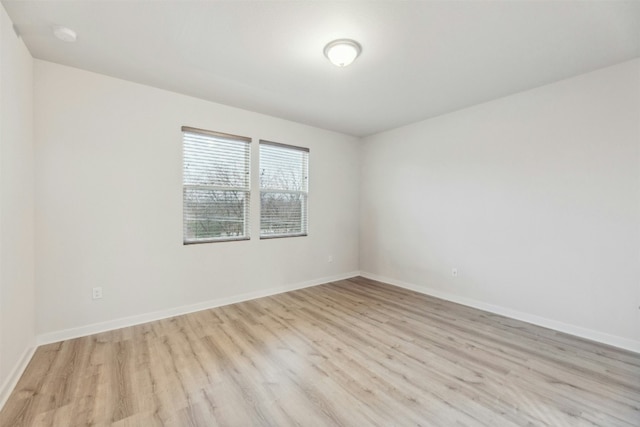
x,y
97,292
454,272
330,258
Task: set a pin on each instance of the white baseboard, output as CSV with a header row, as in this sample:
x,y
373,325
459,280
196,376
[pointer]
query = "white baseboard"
x,y
613,340
66,334
11,382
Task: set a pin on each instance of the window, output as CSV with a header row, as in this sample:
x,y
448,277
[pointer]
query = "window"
x,y
284,188
216,186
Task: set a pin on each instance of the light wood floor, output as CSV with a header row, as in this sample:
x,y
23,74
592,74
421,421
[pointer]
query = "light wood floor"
x,y
352,353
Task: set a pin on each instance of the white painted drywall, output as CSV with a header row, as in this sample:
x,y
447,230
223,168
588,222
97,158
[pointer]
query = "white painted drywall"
x,y
17,299
534,198
109,203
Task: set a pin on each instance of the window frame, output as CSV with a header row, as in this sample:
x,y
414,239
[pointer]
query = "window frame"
x,y
247,189
304,220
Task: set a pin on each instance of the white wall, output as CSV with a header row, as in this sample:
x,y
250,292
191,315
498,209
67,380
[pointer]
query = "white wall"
x,y
534,197
16,206
109,204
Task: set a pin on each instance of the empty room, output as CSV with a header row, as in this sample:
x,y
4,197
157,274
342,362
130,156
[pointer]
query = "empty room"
x,y
319,213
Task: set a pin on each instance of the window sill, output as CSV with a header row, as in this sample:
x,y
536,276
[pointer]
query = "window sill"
x,y
282,236
197,242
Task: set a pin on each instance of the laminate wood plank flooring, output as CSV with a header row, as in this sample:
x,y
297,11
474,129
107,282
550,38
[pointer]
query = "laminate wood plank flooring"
x,y
349,353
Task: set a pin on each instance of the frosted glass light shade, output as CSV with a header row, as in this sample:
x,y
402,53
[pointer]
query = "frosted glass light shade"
x,y
65,34
342,52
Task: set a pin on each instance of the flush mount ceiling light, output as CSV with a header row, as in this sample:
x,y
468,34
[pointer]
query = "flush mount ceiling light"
x,y
65,34
342,52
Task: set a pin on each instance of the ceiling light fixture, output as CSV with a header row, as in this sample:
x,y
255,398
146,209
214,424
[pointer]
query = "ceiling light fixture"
x,y
65,34
342,52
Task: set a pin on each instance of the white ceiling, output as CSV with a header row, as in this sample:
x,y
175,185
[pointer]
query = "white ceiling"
x,y
419,60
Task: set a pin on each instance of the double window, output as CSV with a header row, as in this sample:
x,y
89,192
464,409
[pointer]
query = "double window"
x,y
217,187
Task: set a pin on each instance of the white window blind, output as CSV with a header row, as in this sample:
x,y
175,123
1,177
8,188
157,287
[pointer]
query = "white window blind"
x,y
216,186
284,187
